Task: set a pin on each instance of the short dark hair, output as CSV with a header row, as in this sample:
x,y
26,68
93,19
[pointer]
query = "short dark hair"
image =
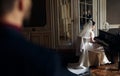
x,y
6,6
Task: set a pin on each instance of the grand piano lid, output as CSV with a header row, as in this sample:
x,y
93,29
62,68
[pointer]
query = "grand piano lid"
x,y
114,31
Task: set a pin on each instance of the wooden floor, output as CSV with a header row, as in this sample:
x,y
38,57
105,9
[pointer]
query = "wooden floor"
x,y
106,70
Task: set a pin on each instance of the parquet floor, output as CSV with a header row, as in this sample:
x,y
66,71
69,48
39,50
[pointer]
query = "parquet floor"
x,y
106,70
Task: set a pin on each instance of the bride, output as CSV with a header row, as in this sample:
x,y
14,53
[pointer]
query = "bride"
x,y
87,44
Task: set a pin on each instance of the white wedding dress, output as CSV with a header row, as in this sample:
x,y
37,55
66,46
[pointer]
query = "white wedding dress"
x,y
86,46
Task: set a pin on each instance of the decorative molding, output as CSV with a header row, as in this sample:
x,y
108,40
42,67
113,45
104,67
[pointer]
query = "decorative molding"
x,y
42,35
102,13
95,15
114,26
41,38
99,14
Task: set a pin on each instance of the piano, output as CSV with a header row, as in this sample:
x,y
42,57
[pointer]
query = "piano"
x,y
110,40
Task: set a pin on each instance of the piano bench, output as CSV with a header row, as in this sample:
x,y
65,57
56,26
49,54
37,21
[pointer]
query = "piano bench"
x,y
96,58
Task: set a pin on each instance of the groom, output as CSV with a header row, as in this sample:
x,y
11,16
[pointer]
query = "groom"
x,y
19,57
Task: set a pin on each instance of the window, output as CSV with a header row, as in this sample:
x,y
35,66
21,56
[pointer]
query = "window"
x,y
85,12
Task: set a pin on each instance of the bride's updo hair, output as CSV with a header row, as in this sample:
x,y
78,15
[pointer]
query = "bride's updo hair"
x,y
93,23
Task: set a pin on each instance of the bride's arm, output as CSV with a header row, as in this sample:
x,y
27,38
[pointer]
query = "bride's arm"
x,y
92,37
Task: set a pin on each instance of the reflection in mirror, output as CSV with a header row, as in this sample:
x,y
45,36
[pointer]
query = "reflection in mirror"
x,y
89,10
82,9
89,1
85,12
65,21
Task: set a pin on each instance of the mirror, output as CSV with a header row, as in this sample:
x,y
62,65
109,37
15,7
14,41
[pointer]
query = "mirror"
x,y
65,15
64,22
85,12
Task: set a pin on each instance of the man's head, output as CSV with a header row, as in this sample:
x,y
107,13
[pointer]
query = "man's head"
x,y
17,9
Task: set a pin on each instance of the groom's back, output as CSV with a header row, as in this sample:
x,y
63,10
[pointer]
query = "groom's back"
x,y
18,57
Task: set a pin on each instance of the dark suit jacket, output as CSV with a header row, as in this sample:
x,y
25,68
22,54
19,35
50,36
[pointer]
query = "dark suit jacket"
x,y
19,57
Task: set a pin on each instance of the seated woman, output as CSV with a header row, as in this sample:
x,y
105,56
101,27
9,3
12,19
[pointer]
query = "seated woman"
x,y
96,48
88,44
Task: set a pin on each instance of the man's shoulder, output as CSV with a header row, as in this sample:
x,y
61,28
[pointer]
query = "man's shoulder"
x,y
11,37
14,40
